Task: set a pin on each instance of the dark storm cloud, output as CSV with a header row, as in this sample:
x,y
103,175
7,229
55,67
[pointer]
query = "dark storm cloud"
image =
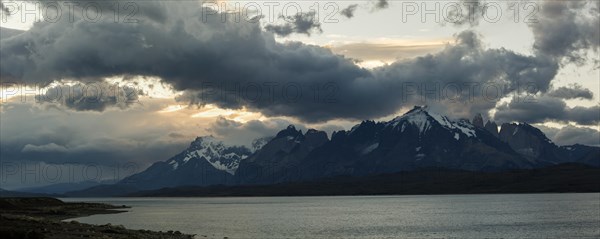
x,y
544,109
305,23
562,29
96,96
577,135
461,66
570,135
572,92
584,115
211,59
566,29
238,65
360,94
349,11
238,133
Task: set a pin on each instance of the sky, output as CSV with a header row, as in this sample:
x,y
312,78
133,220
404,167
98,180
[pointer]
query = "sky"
x,y
99,90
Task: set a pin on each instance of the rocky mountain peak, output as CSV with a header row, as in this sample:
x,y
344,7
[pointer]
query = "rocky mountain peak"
x,y
290,131
207,148
316,137
339,135
478,120
527,140
424,120
508,130
204,141
491,127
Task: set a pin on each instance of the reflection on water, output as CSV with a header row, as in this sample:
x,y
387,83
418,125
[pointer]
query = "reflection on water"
x,y
460,216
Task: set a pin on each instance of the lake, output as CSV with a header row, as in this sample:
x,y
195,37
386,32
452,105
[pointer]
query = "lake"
x,y
424,216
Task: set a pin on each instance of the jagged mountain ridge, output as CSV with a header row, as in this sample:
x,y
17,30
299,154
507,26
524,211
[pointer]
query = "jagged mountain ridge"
x,y
417,139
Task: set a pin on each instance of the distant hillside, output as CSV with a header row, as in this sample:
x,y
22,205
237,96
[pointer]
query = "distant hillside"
x,y
7,193
561,178
60,188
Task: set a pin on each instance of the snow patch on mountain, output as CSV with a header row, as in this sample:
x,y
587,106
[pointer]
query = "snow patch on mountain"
x,y
420,120
215,152
223,167
464,127
424,120
174,164
370,148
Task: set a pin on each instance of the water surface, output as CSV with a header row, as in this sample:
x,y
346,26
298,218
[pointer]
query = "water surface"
x,y
426,216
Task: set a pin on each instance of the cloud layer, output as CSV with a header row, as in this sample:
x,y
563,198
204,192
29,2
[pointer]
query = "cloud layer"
x,y
565,30
575,91
90,97
570,135
543,109
238,65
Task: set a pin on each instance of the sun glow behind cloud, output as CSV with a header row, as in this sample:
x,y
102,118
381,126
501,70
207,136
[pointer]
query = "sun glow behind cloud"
x,y
211,112
242,116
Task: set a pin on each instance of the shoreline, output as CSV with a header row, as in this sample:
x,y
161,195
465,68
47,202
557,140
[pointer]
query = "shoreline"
x,y
336,195
43,217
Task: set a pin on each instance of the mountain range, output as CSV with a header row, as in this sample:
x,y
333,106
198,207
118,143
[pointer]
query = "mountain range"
x,y
419,139
206,161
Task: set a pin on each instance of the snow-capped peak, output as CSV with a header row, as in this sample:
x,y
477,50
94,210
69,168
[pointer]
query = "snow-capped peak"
x,y
424,120
215,152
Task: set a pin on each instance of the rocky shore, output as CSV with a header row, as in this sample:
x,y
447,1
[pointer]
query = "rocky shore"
x,y
33,218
